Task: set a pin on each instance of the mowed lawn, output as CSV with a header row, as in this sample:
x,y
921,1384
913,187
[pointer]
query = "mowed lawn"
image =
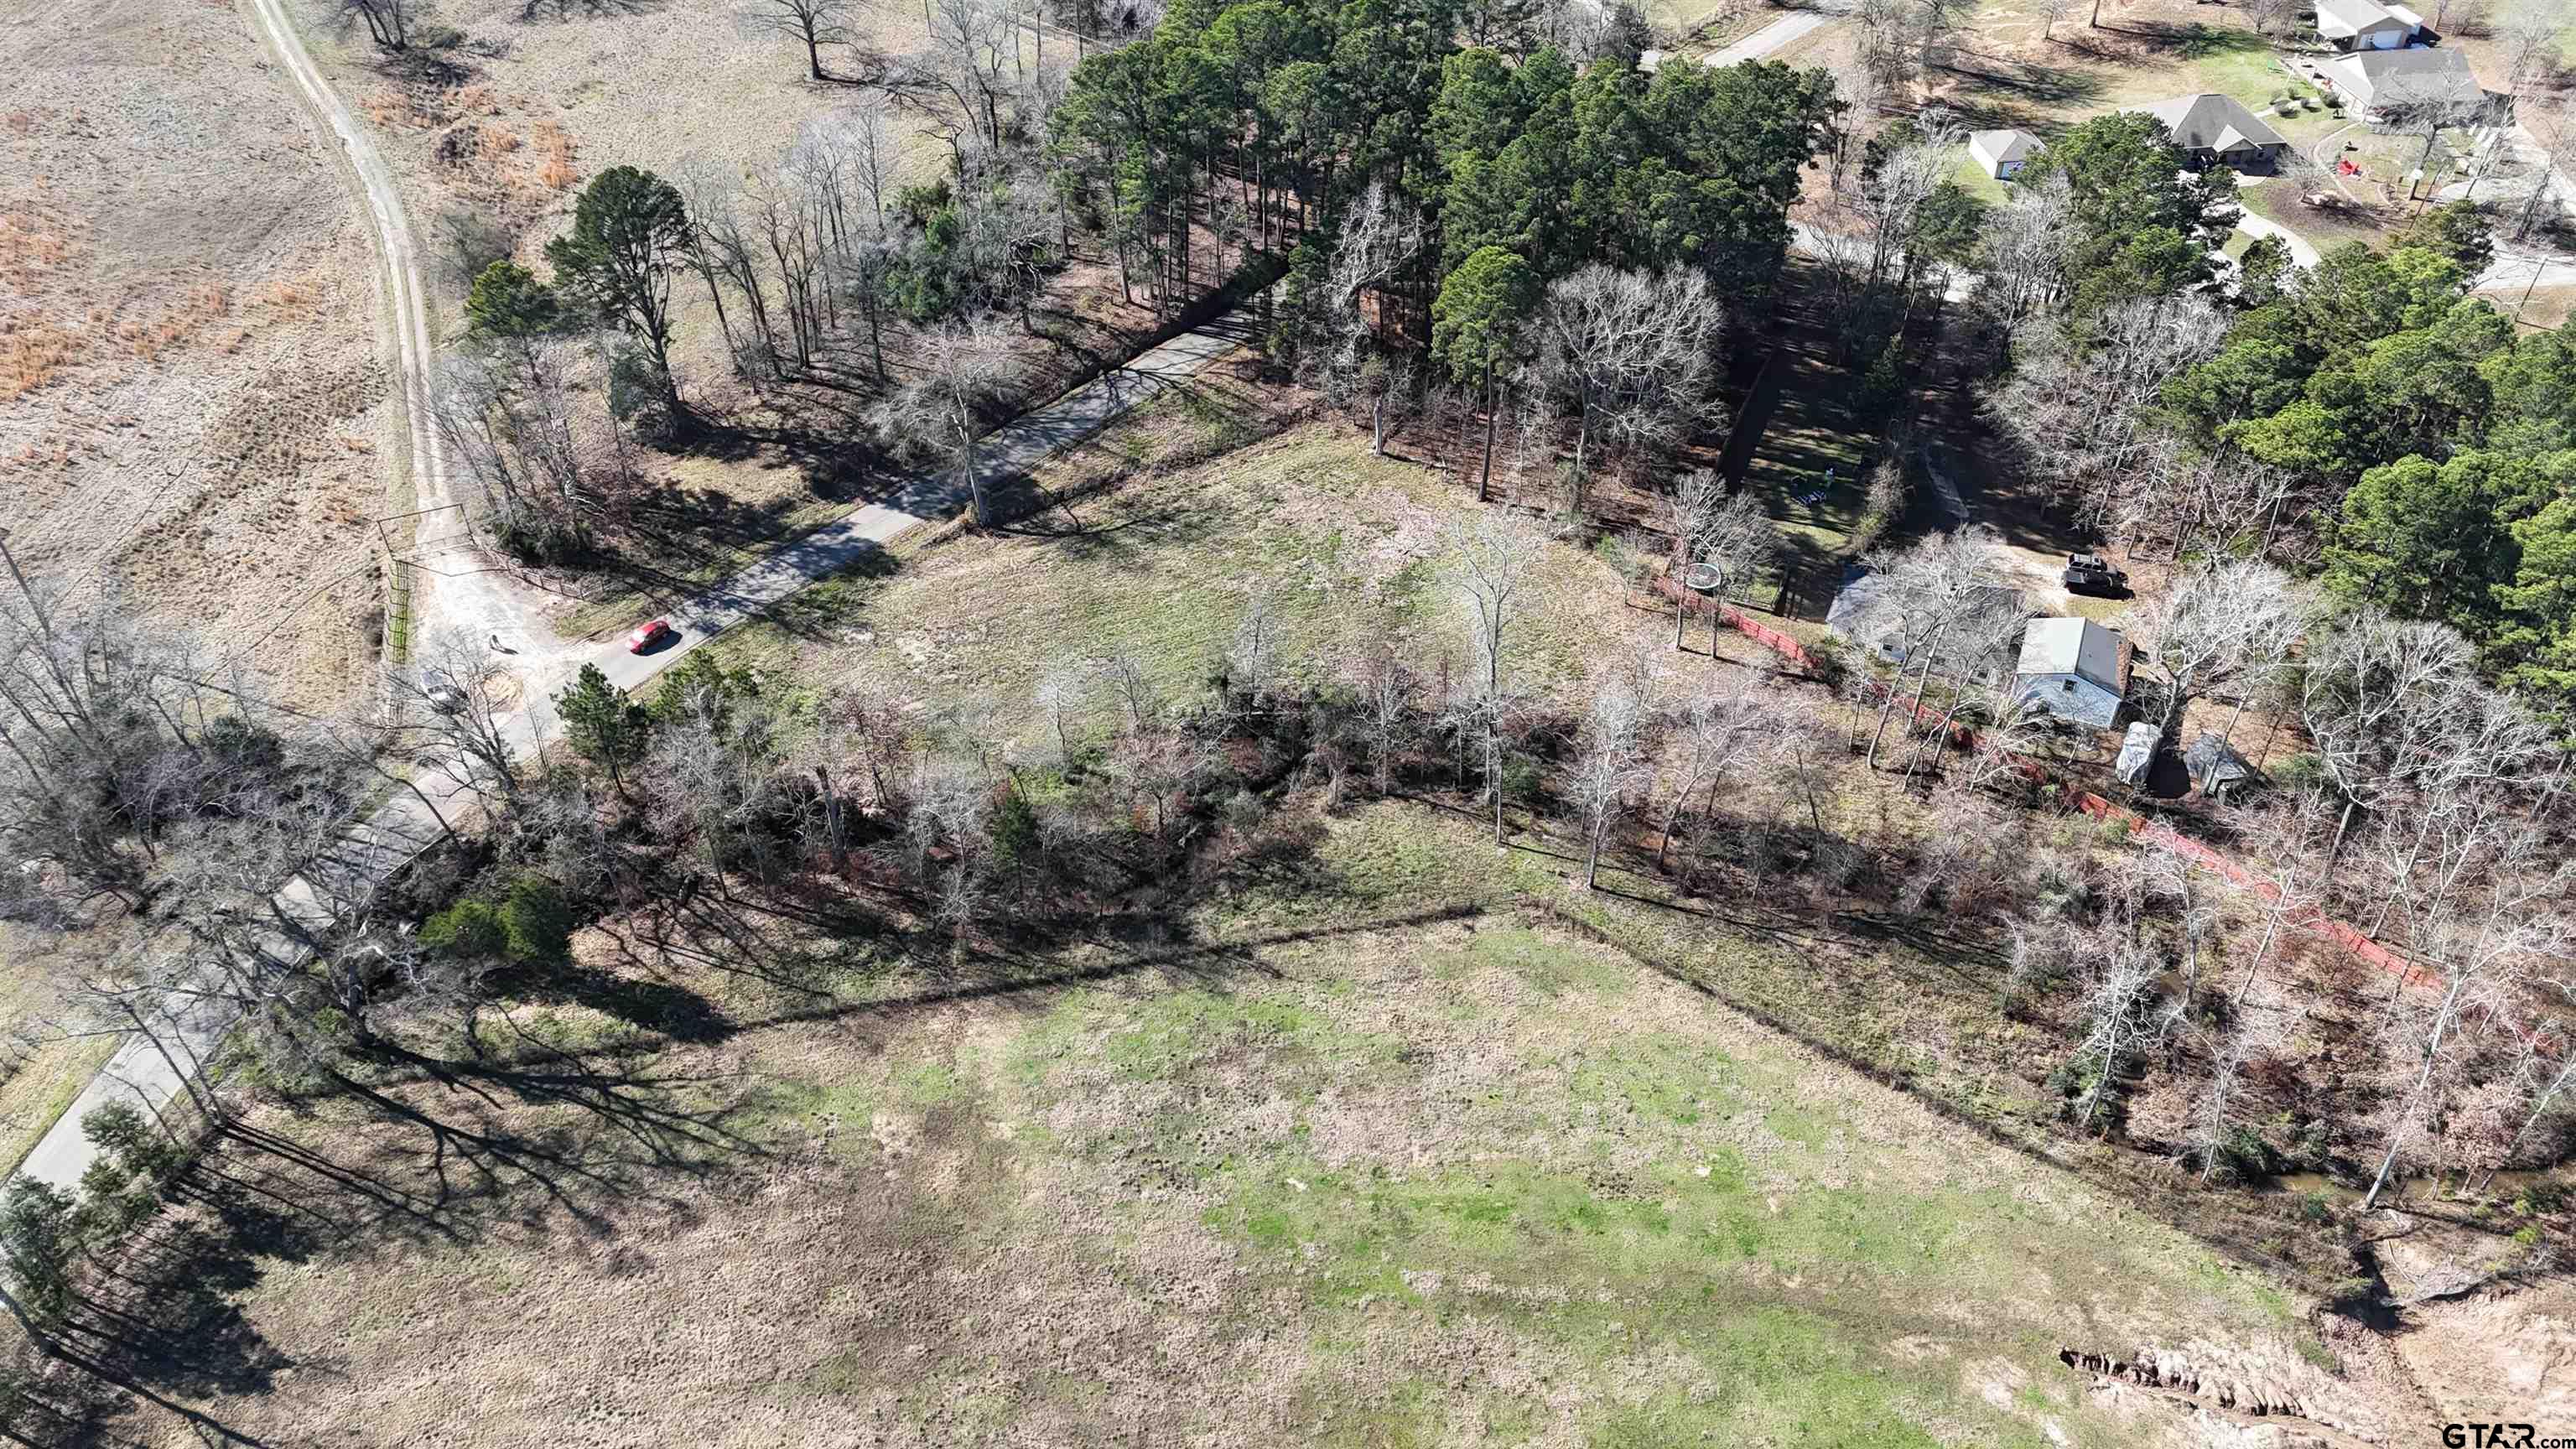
x,y
1333,1176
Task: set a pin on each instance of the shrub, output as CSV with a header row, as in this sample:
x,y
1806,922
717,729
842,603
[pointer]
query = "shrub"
x,y
536,921
467,928
531,924
1015,829
2242,1156
2299,772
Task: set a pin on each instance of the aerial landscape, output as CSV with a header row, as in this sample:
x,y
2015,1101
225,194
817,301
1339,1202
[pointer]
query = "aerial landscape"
x,y
1252,722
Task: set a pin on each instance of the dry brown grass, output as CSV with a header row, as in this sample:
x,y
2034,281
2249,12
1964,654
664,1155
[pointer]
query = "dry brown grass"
x,y
555,169
413,110
29,246
32,354
179,339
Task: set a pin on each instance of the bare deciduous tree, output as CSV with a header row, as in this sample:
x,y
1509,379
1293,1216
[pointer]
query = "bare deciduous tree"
x,y
1632,347
2531,37
2125,1011
1134,686
1715,735
1389,700
2083,411
1256,643
811,23
1061,689
1935,586
2225,622
2481,955
465,692
1606,769
2022,257
959,368
2379,696
1490,563
391,24
1727,531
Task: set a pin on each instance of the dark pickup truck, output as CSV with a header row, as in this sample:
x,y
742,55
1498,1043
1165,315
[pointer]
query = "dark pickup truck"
x,y
2090,573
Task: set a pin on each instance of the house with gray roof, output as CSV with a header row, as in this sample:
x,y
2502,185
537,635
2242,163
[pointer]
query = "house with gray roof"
x,y
2217,130
2394,84
2000,154
2365,25
2074,669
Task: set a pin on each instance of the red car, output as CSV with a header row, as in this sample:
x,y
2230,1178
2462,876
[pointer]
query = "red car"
x,y
648,636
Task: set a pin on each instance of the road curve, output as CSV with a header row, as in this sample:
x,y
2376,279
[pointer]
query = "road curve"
x,y
2303,253
147,1071
470,600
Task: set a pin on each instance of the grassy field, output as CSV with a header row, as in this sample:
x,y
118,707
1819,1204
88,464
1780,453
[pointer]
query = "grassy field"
x,y
1327,1175
45,1068
1158,559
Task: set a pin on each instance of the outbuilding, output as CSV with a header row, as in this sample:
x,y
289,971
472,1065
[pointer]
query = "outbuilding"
x,y
2074,669
2215,766
1872,613
2364,25
2000,154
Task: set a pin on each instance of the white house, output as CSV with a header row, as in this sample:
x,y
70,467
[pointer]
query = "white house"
x,y
2391,82
2364,25
2000,154
2074,669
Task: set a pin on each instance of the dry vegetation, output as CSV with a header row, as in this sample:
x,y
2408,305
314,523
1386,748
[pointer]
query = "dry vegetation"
x,y
1353,1129
505,127
190,395
189,389
1464,1182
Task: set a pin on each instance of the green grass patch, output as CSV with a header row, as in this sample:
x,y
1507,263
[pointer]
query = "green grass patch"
x,y
1972,178
1347,548
1690,1261
1174,1034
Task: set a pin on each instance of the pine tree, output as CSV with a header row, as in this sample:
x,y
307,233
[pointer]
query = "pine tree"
x,y
605,726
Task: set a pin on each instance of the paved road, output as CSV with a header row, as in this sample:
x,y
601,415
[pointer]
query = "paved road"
x,y
140,1072
2302,252
1004,454
1769,38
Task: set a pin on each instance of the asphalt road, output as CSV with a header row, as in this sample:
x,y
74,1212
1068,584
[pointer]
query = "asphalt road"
x,y
1769,38
147,1073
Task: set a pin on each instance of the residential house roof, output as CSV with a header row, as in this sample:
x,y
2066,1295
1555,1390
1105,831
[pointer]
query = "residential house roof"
x,y
2421,76
2341,19
2073,646
2212,122
2005,145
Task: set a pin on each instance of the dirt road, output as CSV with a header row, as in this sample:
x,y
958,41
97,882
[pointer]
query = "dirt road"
x,y
148,1072
462,598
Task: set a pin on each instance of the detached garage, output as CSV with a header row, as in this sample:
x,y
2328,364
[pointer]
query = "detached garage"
x,y
2363,25
2000,154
